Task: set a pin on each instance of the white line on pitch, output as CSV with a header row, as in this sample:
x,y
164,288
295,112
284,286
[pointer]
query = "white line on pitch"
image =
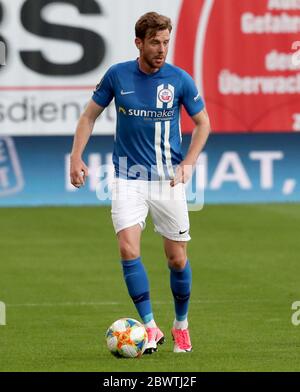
x,y
107,303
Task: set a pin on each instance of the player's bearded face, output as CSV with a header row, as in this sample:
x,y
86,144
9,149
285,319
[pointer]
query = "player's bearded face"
x,y
154,49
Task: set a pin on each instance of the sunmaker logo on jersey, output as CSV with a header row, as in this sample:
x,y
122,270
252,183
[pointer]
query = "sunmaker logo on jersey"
x,y
160,114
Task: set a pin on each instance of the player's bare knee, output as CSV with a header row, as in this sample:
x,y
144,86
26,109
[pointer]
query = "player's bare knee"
x,y
176,261
128,251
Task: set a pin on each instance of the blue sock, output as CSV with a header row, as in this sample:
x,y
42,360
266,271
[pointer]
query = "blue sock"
x,y
181,282
138,287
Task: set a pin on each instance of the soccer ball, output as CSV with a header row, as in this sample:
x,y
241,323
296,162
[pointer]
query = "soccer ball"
x,y
126,338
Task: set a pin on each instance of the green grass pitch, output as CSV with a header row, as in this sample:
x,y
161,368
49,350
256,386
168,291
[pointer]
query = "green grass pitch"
x,y
61,280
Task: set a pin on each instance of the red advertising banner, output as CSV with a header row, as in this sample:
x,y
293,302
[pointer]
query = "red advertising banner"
x,y
245,57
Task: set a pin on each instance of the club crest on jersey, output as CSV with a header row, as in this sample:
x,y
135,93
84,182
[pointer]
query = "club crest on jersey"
x,y
165,95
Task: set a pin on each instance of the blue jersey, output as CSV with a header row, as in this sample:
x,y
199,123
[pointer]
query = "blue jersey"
x,y
148,136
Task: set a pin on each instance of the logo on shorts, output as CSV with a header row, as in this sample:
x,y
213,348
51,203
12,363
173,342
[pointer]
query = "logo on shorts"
x,y
182,232
165,95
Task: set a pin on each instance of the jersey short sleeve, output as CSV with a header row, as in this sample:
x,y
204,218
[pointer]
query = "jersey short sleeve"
x,y
104,92
191,99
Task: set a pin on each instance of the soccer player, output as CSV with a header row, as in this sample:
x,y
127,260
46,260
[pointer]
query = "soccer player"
x,y
150,171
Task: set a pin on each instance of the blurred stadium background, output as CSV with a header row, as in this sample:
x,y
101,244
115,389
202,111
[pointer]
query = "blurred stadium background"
x,y
59,273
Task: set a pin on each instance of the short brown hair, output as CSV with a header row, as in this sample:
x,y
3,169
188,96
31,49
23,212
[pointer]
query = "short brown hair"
x,y
150,23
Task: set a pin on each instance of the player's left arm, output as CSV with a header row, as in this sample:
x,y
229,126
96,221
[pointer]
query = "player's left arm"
x,y
199,138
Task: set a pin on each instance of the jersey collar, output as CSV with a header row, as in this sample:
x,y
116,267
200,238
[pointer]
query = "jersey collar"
x,y
146,74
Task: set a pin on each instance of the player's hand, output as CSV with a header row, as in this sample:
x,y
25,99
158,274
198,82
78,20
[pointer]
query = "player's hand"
x,y
78,172
183,173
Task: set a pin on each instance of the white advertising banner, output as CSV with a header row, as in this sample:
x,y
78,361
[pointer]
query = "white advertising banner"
x,y
56,53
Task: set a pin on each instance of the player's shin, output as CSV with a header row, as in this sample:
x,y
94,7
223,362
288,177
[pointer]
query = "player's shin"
x,y
181,281
138,287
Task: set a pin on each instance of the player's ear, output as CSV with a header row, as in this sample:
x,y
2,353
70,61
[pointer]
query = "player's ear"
x,y
138,43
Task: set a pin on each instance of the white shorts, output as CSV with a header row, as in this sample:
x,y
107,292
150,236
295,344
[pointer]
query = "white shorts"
x,y
132,200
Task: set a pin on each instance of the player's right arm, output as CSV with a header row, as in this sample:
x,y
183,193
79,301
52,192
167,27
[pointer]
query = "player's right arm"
x,y
78,169
101,98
